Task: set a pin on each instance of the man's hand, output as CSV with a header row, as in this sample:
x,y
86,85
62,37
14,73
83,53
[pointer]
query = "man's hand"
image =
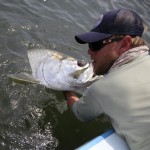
x,y
70,97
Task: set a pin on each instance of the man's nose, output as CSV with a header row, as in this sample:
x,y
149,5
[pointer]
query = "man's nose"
x,y
90,52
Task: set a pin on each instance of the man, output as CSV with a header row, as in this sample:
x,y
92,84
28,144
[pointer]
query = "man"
x,y
118,52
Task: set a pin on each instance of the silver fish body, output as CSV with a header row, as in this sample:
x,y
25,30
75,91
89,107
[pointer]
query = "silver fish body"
x,y
59,71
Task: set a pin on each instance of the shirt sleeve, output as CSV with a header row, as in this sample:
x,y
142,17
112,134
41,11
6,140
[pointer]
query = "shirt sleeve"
x,y
88,107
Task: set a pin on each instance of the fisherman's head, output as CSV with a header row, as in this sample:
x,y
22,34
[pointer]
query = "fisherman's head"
x,y
112,35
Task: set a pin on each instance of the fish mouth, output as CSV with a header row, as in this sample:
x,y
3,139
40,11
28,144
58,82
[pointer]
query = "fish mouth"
x,y
92,61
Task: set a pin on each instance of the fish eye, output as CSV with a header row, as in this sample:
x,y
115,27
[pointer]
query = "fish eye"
x,y
81,63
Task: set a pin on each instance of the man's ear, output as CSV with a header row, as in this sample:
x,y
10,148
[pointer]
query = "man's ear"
x,y
125,45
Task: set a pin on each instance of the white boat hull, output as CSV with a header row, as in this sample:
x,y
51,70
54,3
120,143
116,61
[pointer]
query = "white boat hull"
x,y
107,141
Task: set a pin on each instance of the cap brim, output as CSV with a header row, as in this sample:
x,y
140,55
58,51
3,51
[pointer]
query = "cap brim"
x,y
90,37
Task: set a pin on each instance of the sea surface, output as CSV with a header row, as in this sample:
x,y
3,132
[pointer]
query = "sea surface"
x,y
31,116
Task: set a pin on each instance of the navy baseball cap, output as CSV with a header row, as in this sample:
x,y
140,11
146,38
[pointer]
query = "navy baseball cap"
x,y
116,22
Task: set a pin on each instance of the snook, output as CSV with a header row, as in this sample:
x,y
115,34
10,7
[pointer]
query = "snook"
x,y
58,71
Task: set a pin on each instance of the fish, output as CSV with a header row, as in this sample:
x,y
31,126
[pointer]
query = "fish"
x,y
57,71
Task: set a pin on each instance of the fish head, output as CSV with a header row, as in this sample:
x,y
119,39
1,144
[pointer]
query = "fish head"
x,y
78,70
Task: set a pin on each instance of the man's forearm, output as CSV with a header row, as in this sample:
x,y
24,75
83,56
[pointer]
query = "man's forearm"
x,y
70,97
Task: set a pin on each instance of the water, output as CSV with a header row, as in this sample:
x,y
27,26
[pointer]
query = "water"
x,y
32,117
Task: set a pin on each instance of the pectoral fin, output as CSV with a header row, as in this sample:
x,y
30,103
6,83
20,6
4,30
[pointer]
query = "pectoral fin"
x,y
22,78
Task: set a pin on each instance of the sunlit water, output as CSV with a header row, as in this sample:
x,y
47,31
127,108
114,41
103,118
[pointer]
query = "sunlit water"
x,y
31,116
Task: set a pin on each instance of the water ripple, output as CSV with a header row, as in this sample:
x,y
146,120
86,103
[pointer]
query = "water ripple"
x,y
32,118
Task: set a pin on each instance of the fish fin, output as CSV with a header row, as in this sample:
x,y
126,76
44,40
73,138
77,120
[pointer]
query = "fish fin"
x,y
22,78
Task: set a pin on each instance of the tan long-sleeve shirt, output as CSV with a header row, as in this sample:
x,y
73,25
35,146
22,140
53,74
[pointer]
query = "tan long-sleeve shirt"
x,y
123,95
